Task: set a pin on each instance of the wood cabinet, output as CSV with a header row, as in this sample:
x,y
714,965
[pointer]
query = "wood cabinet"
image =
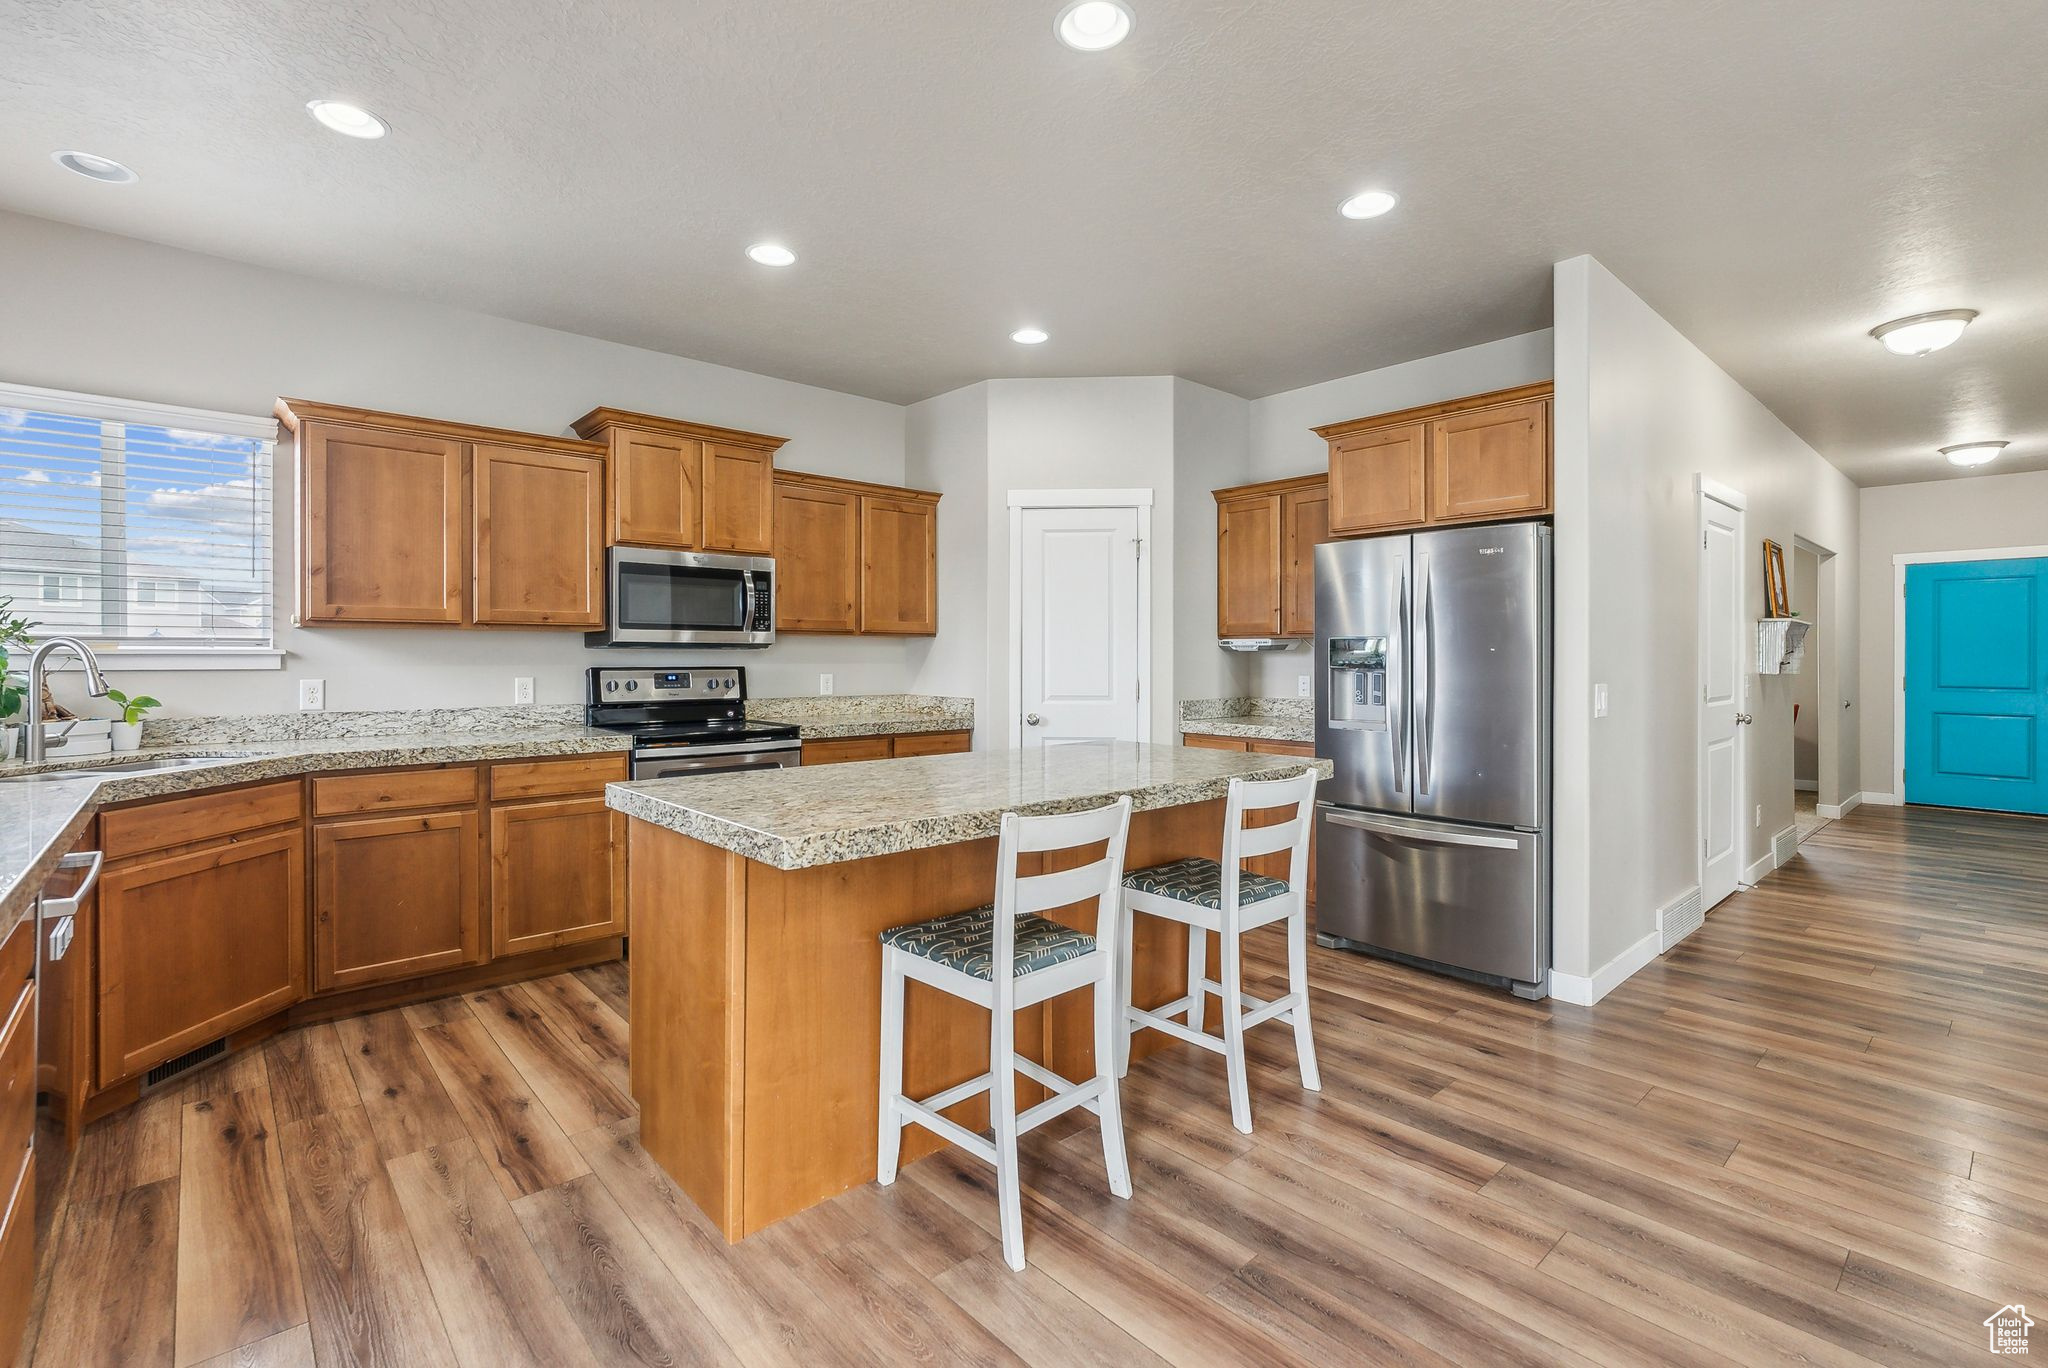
x,y
395,897
196,944
931,743
558,874
1275,865
420,522
855,558
538,538
1467,460
686,486
838,750
1266,536
18,1252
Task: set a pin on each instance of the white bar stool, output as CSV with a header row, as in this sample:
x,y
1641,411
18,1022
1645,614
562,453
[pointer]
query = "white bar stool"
x,y
1033,959
1206,895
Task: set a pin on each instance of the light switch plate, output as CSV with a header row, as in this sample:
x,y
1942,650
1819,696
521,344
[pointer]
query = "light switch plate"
x,y
1599,700
312,695
522,688
1303,687
824,683
1759,816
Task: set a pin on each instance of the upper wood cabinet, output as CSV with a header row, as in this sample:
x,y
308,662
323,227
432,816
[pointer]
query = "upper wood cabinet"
x,y
417,521
1467,460
686,486
538,537
852,557
1266,538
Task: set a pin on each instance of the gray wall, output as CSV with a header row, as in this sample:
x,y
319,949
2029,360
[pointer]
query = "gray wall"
x,y
114,316
1984,512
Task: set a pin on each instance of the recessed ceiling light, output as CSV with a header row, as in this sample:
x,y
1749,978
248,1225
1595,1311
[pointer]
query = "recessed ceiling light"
x,y
352,120
1923,333
103,169
1368,204
1030,337
772,254
1973,453
1093,25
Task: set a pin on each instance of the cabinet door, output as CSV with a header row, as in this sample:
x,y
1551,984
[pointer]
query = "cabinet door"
x,y
739,499
538,538
194,946
1248,567
1304,525
382,526
899,579
395,898
656,491
1492,463
817,558
558,874
1376,480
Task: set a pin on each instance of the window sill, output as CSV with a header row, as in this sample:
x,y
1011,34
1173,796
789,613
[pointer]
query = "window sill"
x,y
124,658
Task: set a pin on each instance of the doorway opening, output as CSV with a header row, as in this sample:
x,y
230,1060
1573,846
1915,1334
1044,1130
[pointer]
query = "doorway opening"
x,y
1817,703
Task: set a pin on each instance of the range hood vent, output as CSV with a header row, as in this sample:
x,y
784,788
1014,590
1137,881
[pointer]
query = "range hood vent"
x,y
1259,643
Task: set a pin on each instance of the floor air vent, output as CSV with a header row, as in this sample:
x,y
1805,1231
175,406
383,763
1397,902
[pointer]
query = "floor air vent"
x,y
191,1059
1784,846
1679,920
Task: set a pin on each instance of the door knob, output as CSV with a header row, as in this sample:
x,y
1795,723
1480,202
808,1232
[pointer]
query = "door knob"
x,y
1031,719
1743,719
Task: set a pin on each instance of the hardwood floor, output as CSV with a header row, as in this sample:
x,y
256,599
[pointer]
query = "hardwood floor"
x,y
1817,1131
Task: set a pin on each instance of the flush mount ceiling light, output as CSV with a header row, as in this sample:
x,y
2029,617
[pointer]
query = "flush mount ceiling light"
x,y
771,254
105,170
1923,333
1970,454
351,120
1030,337
1093,25
1368,204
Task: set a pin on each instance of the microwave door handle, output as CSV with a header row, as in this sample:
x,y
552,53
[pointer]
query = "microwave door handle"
x,y
746,600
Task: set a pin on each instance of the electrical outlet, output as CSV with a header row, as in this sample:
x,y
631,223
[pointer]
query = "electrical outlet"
x,y
824,683
522,688
1303,688
1599,700
312,695
1759,816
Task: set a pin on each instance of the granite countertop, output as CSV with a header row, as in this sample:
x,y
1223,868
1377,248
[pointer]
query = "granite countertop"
x,y
41,816
1255,719
826,718
798,818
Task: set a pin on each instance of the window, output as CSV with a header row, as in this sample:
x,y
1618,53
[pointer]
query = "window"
x,y
136,525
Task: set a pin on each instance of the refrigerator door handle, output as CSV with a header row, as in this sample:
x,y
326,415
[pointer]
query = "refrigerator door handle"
x,y
1425,673
1416,831
1397,688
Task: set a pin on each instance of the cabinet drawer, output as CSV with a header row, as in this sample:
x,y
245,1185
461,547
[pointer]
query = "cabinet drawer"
x,y
845,749
17,1079
17,965
934,743
1201,742
157,826
394,791
17,1247
553,778
1259,747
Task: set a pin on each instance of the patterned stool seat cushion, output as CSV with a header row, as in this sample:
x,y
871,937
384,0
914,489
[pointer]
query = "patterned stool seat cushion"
x,y
1199,880
966,941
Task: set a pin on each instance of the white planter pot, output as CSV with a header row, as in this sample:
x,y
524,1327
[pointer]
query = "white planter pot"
x,y
10,740
127,736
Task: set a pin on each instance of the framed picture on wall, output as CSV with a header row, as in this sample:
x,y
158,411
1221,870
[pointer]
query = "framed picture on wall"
x,y
1777,603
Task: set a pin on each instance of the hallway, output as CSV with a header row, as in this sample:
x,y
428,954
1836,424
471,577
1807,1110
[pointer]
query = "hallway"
x,y
1817,1130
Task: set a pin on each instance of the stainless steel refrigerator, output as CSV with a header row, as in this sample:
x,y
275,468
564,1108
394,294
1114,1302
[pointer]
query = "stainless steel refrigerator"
x,y
1433,701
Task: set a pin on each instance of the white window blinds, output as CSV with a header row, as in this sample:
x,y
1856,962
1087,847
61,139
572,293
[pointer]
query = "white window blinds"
x,y
135,524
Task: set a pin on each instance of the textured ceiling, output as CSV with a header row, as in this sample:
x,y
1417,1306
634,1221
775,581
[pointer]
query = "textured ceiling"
x,y
1775,178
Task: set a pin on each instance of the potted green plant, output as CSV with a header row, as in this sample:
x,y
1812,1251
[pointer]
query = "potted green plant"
x,y
128,729
14,638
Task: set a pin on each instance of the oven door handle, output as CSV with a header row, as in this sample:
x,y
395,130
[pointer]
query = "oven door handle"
x,y
736,748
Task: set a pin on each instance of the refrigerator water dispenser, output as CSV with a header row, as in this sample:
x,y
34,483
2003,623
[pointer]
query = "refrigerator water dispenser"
x,y
1358,683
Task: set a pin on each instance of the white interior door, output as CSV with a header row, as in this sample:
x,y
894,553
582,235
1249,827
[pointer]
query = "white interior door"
x,y
1078,662
1722,671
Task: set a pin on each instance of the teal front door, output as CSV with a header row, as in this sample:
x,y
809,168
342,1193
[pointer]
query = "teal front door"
x,y
1977,685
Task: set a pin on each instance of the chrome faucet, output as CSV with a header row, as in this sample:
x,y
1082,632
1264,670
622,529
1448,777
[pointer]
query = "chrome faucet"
x,y
95,684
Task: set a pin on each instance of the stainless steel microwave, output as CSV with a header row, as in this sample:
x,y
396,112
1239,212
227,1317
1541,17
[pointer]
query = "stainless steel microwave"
x,y
686,598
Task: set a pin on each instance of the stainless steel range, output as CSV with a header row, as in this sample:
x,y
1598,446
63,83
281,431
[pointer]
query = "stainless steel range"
x,y
687,721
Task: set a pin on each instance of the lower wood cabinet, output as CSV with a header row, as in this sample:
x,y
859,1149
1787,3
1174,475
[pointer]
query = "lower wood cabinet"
x,y
17,1251
1275,865
395,897
839,750
197,944
558,874
931,743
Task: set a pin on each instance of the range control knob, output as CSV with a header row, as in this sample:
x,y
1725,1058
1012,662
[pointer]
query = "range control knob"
x,y
632,684
611,686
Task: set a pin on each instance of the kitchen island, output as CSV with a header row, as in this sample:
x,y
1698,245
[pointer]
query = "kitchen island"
x,y
756,901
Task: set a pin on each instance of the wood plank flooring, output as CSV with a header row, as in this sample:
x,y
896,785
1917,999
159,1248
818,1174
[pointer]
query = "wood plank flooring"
x,y
1816,1132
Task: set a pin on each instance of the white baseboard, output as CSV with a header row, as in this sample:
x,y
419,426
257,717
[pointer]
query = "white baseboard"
x,y
1585,991
1835,812
1759,870
1876,799
1806,786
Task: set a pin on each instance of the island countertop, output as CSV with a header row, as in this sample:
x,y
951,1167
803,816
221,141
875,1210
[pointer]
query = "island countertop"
x,y
800,818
